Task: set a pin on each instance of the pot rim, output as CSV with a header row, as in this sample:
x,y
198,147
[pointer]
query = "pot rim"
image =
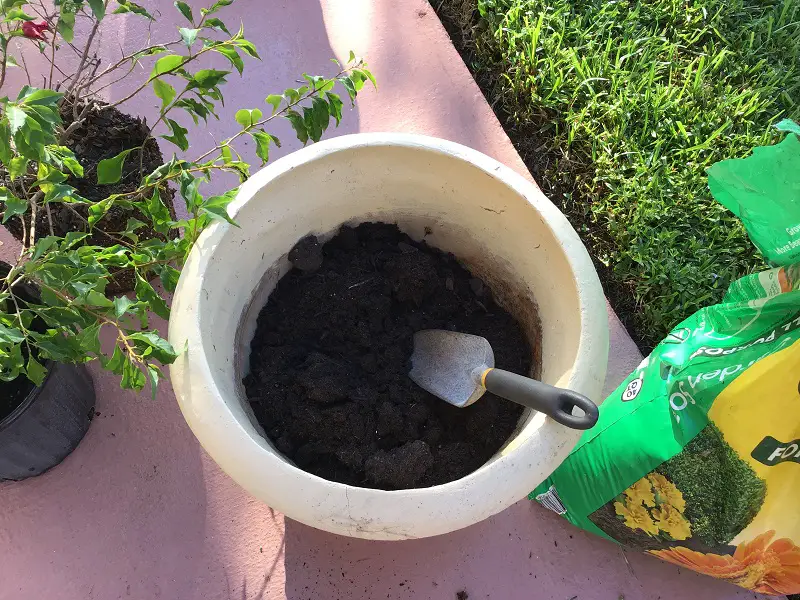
x,y
587,376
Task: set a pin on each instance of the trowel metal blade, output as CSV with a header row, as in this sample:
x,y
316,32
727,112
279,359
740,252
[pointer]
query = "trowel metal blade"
x,y
448,364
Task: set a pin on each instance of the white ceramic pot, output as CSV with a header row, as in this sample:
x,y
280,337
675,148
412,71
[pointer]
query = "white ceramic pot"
x,y
496,222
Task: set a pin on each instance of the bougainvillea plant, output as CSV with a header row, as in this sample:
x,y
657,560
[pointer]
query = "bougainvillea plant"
x,y
40,170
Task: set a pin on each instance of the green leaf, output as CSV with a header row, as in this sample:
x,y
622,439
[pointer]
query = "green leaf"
x,y
368,74
66,25
95,298
158,212
88,340
160,349
133,224
215,23
63,157
188,189
217,207
109,170
10,335
146,293
178,136
314,132
155,374
262,139
164,91
275,101
352,57
350,87
247,117
195,109
248,47
189,36
17,14
72,238
114,256
116,363
16,117
97,210
35,371
232,55
121,305
166,64
227,153
17,167
130,227
169,277
322,115
168,169
358,78
132,377
98,8
43,245
47,175
126,6
335,105
49,298
59,192
315,82
186,11
37,97
207,78
5,143
216,6
56,345
12,205
292,95
30,140
298,124
241,168
12,364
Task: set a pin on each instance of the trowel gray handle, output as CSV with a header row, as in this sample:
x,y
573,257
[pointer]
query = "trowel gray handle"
x,y
552,401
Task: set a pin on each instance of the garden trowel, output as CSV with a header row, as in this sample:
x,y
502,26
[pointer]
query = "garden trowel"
x,y
459,368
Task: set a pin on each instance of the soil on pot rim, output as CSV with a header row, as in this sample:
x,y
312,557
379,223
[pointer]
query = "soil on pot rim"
x,y
330,360
105,133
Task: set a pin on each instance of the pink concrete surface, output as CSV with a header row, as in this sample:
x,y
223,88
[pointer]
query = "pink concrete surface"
x,y
140,511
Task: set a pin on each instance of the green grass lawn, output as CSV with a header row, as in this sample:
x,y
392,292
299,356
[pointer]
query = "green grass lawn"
x,y
619,107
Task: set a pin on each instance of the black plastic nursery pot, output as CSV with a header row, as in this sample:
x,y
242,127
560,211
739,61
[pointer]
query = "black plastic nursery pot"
x,y
49,424
48,421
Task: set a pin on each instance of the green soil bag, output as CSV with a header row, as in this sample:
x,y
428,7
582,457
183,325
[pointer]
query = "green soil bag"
x,y
696,456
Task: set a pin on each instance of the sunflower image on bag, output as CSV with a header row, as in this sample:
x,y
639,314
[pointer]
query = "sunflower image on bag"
x,y
696,456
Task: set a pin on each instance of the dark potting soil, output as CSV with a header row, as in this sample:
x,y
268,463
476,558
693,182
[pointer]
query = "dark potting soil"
x,y
12,394
104,134
330,360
